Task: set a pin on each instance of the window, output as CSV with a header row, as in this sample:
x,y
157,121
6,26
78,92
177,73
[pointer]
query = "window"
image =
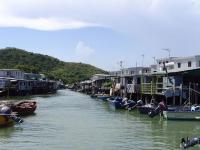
x,y
132,72
189,63
179,65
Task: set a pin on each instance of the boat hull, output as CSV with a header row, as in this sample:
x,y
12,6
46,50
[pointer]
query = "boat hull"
x,y
182,115
145,109
4,121
25,108
103,98
116,105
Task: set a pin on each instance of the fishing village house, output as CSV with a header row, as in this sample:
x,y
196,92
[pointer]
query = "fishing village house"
x,y
183,74
176,64
99,83
12,73
169,79
17,82
6,75
128,80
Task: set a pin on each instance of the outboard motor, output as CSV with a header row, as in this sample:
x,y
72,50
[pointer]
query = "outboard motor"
x,y
189,143
5,110
139,103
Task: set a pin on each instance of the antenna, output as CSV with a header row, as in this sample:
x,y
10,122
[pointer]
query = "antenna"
x,y
142,59
154,59
121,64
168,50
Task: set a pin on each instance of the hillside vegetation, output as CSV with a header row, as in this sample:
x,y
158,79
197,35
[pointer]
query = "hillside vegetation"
x,y
53,68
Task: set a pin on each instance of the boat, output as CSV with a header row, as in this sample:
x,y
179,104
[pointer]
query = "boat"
x,y
24,108
103,97
159,109
7,117
145,109
132,104
5,121
183,114
187,143
116,103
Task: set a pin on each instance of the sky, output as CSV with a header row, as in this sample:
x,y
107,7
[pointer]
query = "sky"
x,y
102,32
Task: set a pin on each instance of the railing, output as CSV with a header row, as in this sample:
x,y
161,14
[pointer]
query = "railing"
x,y
148,88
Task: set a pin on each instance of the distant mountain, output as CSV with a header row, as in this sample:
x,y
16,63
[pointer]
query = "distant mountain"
x,y
53,68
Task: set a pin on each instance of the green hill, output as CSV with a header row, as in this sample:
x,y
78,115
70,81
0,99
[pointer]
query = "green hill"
x,y
53,68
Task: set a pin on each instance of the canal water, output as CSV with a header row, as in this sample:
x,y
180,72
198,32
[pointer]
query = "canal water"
x,y
74,121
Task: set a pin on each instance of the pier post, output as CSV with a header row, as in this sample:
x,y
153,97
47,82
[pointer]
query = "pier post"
x,y
174,97
181,94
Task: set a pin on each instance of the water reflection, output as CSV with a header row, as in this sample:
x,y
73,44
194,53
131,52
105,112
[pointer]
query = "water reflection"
x,y
8,131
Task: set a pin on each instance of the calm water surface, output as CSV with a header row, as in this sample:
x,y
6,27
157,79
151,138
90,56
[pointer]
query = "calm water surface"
x,y
73,121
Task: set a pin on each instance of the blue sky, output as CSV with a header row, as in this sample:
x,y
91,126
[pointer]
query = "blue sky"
x,y
102,33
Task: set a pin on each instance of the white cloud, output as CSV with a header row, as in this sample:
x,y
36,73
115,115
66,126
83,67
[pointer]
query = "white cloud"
x,y
44,24
152,24
83,51
123,15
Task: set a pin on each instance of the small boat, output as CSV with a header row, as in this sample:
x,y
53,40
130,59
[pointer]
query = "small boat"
x,y
7,117
145,109
5,121
159,110
115,103
120,103
134,104
103,97
189,142
183,114
25,108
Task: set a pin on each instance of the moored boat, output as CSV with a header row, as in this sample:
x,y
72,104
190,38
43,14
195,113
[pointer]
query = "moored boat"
x,y
4,120
7,117
189,114
116,103
103,97
25,108
145,109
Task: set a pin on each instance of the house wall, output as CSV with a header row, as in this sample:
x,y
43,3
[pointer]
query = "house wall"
x,y
12,74
3,83
174,64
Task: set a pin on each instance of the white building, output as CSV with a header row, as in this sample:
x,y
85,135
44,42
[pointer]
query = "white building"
x,y
12,73
132,71
175,64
